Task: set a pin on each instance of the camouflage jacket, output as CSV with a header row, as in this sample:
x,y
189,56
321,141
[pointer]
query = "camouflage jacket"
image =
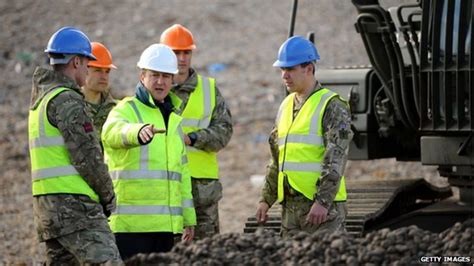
x,y
55,215
218,133
99,112
337,136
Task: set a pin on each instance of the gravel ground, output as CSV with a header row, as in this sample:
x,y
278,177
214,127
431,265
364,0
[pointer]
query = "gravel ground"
x,y
403,246
242,35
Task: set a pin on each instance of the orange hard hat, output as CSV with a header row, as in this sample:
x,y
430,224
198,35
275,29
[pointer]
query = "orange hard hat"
x,y
178,37
103,55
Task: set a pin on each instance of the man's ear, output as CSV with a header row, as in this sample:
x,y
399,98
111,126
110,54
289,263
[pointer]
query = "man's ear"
x,y
311,68
142,75
76,61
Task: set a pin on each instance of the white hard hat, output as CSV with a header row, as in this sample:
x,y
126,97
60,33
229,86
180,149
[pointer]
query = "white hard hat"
x,y
160,58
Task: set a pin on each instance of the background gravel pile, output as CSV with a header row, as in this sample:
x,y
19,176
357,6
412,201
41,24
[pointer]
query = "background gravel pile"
x,y
241,35
404,246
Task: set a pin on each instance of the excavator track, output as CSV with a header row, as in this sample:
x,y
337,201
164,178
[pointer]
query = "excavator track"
x,y
371,203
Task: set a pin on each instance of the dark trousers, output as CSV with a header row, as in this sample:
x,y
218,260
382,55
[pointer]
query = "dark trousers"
x,y
130,244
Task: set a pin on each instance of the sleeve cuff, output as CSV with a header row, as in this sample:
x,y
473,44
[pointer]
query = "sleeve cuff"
x,y
138,136
269,203
323,202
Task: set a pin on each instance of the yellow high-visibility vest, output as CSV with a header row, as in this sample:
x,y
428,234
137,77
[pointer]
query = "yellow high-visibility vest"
x,y
152,182
51,168
196,115
301,145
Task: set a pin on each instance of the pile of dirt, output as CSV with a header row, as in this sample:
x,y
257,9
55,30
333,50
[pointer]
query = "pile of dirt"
x,y
404,246
237,42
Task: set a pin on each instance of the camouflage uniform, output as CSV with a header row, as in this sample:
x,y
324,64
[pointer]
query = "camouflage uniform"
x,y
337,136
99,112
74,226
207,192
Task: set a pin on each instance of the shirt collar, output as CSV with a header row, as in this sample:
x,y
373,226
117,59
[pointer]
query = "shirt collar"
x,y
189,84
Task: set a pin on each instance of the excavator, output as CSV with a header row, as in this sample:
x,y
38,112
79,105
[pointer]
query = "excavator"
x,y
415,102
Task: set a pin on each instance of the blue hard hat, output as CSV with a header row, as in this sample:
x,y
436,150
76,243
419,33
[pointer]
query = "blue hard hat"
x,y
69,40
296,50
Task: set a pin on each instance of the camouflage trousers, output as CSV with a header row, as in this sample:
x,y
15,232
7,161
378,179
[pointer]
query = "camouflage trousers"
x,y
206,195
85,247
296,208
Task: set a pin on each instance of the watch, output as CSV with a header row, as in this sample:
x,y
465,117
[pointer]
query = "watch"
x,y
193,137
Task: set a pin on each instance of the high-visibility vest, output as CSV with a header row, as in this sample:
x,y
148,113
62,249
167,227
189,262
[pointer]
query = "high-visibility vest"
x,y
196,115
151,182
301,145
51,168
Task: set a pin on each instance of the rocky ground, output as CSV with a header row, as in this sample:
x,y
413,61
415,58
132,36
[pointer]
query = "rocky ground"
x,y
237,43
403,246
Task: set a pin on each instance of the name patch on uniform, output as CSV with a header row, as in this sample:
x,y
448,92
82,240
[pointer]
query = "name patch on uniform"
x,y
88,127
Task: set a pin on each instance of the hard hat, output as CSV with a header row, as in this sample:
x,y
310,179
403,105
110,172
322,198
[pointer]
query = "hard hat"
x,y
178,37
159,57
69,41
296,50
103,55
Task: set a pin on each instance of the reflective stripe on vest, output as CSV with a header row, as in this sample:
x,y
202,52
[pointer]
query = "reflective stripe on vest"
x,y
301,167
188,203
53,172
305,139
301,145
197,115
149,209
145,174
43,141
51,168
149,200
